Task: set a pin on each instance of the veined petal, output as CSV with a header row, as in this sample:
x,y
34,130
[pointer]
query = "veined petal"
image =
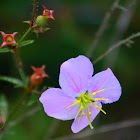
x,y
84,120
55,104
105,80
74,75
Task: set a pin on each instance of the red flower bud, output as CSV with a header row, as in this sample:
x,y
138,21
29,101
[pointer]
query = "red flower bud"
x,y
37,77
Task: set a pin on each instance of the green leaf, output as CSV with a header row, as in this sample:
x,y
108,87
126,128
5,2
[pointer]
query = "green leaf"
x,y
46,29
16,82
3,105
28,22
25,43
24,79
4,50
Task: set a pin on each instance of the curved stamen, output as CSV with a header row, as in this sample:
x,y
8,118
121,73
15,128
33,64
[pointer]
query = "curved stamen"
x,y
97,99
97,107
94,93
77,102
81,108
81,117
85,100
88,114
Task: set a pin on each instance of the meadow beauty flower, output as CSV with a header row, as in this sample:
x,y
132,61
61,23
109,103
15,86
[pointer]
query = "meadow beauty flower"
x,y
81,95
8,39
38,76
48,13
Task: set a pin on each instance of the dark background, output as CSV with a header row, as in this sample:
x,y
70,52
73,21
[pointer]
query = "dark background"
x,y
72,34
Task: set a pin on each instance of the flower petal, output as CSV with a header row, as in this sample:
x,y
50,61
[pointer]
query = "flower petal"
x,y
3,44
55,104
105,80
74,75
84,120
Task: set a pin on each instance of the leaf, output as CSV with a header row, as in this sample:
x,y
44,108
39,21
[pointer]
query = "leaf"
x,y
3,105
4,50
24,79
28,22
25,43
46,29
12,80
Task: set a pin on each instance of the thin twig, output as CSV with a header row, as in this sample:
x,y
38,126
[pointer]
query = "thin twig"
x,y
116,46
132,4
33,13
18,59
102,27
121,27
102,129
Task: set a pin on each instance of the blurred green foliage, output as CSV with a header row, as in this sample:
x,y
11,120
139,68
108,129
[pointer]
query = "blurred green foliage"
x,y
71,34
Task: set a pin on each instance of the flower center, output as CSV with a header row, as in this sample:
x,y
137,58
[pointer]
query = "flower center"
x,y
84,101
9,38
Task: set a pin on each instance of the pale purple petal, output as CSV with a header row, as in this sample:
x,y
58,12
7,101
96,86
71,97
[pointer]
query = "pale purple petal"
x,y
55,104
105,80
84,120
74,75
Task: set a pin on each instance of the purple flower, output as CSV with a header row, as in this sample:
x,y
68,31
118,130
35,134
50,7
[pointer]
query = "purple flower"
x,y
81,95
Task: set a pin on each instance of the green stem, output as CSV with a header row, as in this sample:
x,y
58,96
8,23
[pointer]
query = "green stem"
x,y
26,33
19,65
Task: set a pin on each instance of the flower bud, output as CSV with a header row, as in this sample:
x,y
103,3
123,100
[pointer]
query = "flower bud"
x,y
37,77
36,80
41,21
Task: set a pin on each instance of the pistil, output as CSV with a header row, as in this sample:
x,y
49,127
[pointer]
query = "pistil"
x,y
84,100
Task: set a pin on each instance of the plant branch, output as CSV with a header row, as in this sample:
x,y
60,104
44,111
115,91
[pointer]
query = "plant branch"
x,y
102,129
25,34
19,66
33,13
121,27
127,40
102,27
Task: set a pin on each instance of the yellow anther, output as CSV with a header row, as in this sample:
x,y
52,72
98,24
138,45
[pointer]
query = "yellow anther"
x,y
9,39
89,113
97,99
82,107
94,93
97,107
77,102
81,117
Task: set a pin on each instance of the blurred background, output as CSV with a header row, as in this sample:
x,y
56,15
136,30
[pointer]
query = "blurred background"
x,y
71,34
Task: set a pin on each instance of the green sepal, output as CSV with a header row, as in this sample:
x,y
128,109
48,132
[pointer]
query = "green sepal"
x,y
36,32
